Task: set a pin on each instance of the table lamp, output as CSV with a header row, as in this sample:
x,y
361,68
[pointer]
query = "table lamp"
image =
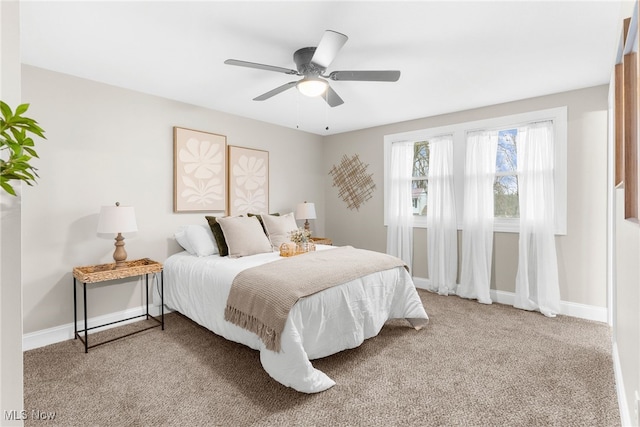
x,y
307,211
117,219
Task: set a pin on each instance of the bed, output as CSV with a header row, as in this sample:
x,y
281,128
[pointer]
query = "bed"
x,y
322,324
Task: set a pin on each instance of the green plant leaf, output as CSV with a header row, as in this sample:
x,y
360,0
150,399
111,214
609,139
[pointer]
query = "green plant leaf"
x,y
21,109
31,152
5,110
7,187
17,144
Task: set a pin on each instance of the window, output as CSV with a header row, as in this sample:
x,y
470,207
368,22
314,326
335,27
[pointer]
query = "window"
x,y
506,180
420,177
505,187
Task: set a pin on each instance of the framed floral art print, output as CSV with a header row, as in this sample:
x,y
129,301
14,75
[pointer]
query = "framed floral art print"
x,y
200,175
248,181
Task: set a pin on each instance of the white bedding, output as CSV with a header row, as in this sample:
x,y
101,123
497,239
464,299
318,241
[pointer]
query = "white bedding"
x,y
322,324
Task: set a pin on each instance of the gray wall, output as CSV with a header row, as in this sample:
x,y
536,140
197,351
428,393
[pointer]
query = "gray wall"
x,y
108,144
581,253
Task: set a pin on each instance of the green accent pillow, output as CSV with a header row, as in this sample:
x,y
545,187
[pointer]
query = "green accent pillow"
x,y
218,235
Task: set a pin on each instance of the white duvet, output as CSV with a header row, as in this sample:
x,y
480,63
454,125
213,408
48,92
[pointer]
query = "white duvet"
x,y
322,324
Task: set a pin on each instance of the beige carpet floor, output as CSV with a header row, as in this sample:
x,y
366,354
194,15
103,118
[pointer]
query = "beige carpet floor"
x,y
473,365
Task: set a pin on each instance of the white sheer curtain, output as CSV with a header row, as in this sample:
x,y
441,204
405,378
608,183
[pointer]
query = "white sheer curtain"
x,y
442,234
477,225
537,278
399,207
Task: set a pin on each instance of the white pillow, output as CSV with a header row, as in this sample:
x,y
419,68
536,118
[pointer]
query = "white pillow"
x,y
244,236
197,240
181,238
201,239
278,228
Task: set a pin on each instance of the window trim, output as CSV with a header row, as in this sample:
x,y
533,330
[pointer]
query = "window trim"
x,y
459,131
419,221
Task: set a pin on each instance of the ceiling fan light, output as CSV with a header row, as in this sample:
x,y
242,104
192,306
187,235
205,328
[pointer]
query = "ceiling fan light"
x,y
311,86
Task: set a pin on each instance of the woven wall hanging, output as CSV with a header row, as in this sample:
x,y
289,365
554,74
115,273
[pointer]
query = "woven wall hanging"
x,y
355,186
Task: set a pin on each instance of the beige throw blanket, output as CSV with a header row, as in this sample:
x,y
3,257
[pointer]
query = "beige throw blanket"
x,y
261,297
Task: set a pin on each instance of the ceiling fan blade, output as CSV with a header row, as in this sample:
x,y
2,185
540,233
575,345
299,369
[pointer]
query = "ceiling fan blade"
x,y
328,48
332,98
275,91
260,66
366,76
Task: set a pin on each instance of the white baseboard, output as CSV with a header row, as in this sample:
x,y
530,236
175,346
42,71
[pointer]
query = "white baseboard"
x,y
61,333
625,413
582,311
421,282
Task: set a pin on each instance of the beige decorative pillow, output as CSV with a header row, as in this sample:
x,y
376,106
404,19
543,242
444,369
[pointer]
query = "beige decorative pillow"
x,y
278,228
259,216
244,236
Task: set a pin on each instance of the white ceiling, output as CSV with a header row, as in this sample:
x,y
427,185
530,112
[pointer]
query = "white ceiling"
x,y
453,55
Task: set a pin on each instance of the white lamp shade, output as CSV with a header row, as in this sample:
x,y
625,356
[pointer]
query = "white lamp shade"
x,y
310,86
117,219
306,211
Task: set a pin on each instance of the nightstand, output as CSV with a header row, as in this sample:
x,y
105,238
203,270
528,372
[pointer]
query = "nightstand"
x,y
106,272
321,241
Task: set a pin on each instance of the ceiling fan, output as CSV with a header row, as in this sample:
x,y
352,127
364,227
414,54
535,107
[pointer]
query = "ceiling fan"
x,y
312,64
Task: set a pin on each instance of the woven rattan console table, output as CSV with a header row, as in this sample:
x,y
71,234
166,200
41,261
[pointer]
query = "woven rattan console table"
x,y
106,272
